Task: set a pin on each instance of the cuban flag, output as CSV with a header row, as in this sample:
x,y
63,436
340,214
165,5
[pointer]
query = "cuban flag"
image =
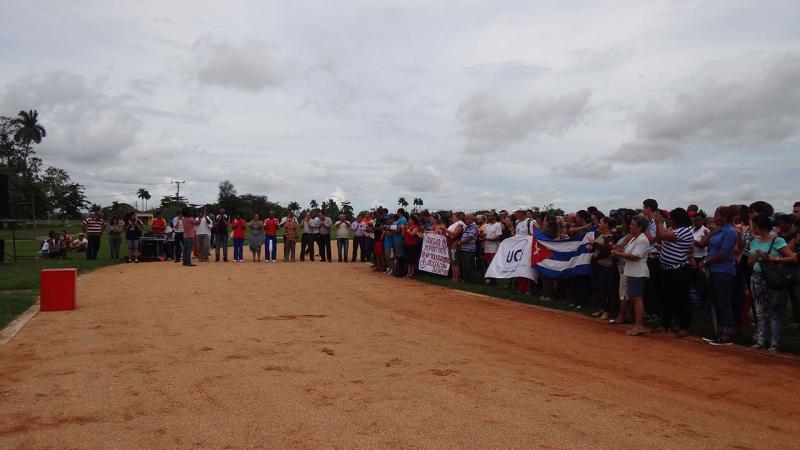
x,y
562,258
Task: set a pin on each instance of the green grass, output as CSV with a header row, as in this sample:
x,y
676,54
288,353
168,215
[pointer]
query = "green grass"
x,y
19,282
700,326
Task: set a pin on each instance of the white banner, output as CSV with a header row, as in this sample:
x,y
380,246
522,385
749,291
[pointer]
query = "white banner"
x,y
434,257
513,259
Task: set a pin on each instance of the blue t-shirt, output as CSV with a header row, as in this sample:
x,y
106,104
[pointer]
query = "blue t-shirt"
x,y
764,247
398,237
723,242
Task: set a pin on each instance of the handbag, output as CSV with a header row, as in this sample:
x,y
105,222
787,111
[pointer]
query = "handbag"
x,y
778,275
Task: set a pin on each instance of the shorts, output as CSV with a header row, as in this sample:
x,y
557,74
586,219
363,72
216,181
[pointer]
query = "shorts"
x,y
133,244
488,257
378,248
635,286
453,252
399,250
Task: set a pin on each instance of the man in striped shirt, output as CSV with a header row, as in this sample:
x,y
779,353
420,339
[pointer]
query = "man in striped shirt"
x,y
93,228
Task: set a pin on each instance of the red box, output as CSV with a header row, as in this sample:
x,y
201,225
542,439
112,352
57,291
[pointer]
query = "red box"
x,y
58,289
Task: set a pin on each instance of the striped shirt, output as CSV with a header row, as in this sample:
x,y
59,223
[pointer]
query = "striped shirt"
x,y
675,254
94,226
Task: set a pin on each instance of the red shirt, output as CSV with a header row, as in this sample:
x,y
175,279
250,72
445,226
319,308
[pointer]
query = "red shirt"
x,y
271,227
188,226
410,237
238,225
159,225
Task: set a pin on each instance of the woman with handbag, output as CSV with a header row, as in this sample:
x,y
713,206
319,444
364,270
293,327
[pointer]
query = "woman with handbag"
x,y
767,253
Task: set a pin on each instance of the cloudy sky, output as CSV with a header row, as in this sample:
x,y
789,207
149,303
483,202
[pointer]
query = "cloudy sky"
x,y
467,104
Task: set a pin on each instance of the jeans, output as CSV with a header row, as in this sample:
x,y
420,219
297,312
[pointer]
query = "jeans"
x,y
178,246
93,247
188,247
270,252
343,243
468,268
114,244
359,243
324,243
221,241
238,249
203,250
769,305
307,246
169,249
721,292
600,284
369,246
677,305
288,250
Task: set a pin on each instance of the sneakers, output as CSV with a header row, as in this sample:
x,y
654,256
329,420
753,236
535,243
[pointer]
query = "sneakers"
x,y
721,342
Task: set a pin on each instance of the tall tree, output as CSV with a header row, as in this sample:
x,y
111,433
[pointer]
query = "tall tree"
x,y
402,202
227,197
313,204
147,198
347,210
28,128
293,206
141,193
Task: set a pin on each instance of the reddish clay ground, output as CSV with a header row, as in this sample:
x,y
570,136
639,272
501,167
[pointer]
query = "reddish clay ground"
x,y
330,355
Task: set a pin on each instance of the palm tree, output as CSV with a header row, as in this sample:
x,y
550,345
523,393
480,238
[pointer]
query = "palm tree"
x,y
417,203
141,193
293,207
402,202
28,128
147,197
313,204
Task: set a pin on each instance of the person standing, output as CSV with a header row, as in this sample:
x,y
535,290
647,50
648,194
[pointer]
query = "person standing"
x,y
359,238
453,234
221,235
177,223
133,231
676,248
169,241
115,237
203,235
158,226
635,254
412,238
271,225
256,238
93,229
289,237
492,235
769,301
324,225
189,226
469,245
343,238
721,265
239,225
308,238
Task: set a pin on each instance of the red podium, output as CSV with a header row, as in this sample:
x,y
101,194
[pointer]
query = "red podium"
x,y
58,289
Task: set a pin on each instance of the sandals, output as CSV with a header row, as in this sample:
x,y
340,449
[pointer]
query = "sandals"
x,y
635,332
614,322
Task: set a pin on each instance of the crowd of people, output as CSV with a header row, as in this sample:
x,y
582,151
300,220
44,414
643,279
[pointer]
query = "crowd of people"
x,y
647,264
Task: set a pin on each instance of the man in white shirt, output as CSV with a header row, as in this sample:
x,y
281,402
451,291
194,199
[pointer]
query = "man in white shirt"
x,y
492,235
359,238
79,244
205,222
177,224
524,224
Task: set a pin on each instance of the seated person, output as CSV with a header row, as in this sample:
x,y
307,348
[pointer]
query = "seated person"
x,y
79,244
51,248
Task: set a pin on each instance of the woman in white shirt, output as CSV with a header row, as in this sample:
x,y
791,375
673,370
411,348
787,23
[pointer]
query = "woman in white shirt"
x,y
203,234
636,272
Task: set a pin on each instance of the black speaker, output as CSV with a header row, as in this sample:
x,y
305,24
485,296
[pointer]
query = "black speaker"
x,y
5,206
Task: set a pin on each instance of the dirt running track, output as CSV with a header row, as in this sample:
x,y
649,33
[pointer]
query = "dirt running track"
x,y
329,355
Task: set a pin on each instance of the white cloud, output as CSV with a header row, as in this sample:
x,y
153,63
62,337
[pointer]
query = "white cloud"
x,y
246,66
